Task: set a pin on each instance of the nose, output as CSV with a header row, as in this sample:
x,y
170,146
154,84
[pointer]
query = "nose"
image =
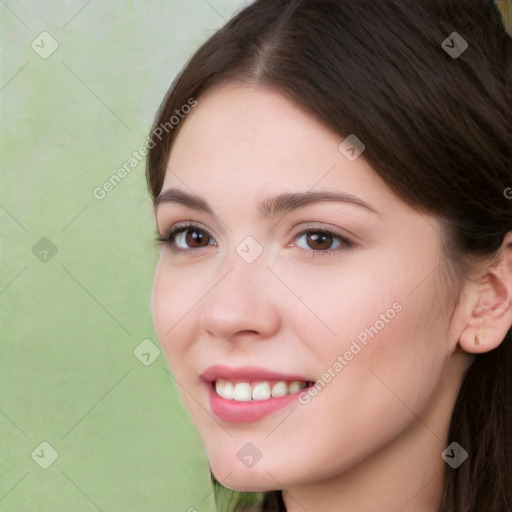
x,y
242,303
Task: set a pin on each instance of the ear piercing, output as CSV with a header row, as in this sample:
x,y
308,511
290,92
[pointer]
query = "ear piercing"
x,y
477,340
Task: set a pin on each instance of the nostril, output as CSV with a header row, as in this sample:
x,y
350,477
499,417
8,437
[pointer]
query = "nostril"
x,y
247,333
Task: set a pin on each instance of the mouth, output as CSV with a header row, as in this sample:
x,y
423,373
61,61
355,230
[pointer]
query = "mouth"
x,y
248,394
257,390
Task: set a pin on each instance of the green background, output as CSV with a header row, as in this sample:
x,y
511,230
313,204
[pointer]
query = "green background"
x,y
72,319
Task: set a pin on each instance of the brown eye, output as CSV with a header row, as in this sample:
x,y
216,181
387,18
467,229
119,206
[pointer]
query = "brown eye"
x,y
186,238
319,241
196,237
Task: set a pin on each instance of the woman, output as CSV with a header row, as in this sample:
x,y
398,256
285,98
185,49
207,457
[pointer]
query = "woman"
x,y
334,287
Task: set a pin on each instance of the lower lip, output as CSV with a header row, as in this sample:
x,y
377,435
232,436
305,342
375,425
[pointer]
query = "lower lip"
x,y
247,412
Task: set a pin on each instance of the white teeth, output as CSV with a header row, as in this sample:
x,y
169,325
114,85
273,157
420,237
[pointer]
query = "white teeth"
x,y
224,389
296,386
228,391
242,392
280,389
245,392
261,391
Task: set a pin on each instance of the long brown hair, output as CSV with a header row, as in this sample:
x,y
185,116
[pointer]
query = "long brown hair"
x,y
437,129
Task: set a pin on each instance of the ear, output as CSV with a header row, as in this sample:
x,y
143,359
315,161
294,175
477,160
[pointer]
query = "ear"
x,y
486,311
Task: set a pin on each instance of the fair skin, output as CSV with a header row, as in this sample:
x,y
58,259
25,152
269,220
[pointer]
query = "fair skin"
x,y
372,438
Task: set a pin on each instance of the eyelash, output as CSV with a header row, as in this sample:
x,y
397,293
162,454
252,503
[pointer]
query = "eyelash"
x,y
169,239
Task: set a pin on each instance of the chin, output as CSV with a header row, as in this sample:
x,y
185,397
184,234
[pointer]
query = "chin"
x,y
246,480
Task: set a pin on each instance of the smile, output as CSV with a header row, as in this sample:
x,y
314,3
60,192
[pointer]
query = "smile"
x,y
248,394
247,391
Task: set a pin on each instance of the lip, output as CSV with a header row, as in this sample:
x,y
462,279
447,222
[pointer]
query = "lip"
x,y
248,373
246,412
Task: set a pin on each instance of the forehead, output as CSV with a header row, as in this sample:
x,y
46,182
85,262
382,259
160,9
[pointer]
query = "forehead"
x,y
243,133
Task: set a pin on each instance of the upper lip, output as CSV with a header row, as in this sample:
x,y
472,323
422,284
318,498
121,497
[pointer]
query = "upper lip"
x,y
250,373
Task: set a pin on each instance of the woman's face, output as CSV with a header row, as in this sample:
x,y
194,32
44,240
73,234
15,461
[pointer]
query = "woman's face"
x,y
258,295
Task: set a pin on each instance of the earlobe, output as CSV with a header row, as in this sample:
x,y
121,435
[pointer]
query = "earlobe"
x,y
489,305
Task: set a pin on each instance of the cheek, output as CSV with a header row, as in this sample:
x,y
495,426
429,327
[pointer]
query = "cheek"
x,y
387,327
395,368
172,301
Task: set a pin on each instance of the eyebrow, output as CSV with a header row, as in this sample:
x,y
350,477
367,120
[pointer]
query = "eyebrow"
x,y
268,208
